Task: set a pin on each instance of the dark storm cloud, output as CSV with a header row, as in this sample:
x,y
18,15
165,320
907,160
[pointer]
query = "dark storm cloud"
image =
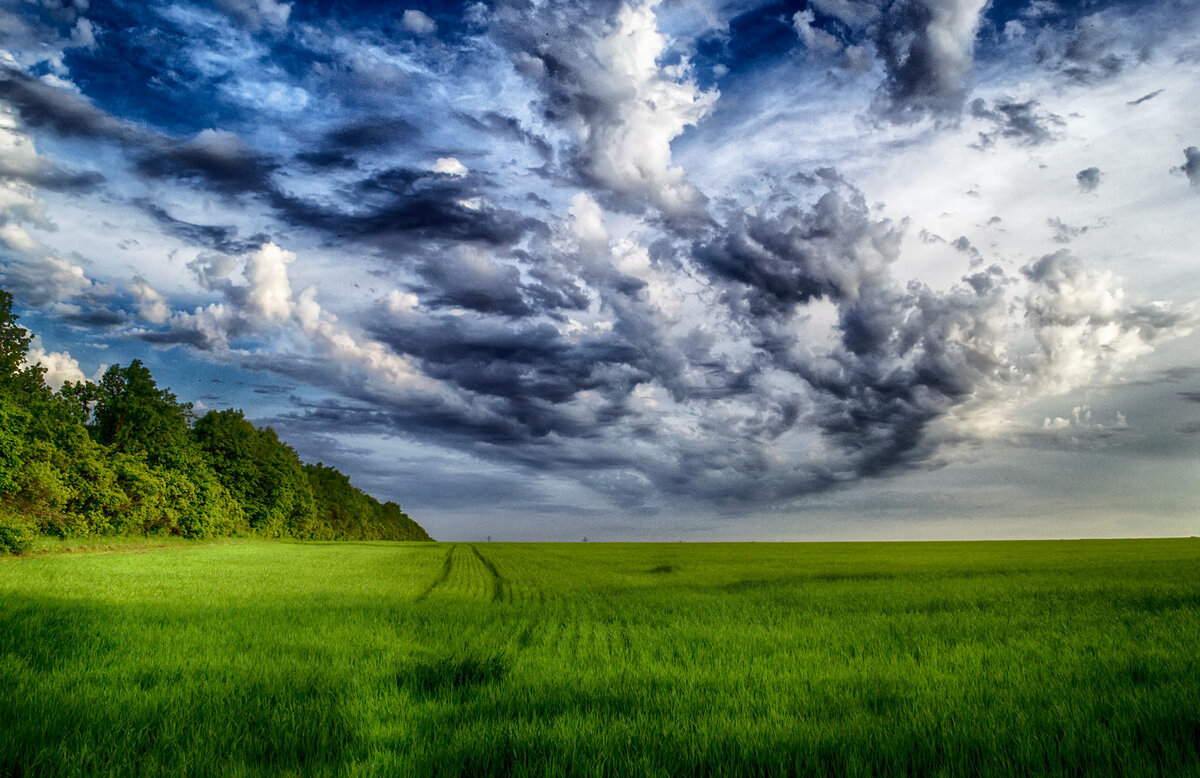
x,y
43,279
92,311
177,336
510,430
398,201
341,147
211,236
715,468
1021,122
315,429
52,177
899,370
216,160
1191,165
1146,97
373,133
66,114
907,356
510,128
1088,179
789,257
1063,232
75,182
274,389
555,287
962,244
893,372
411,203
523,393
1090,53
527,364
468,279
926,48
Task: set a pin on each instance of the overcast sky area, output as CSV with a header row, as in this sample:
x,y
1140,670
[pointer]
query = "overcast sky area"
x,y
633,270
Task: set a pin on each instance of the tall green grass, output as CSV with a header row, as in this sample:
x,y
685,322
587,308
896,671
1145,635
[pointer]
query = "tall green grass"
x,y
272,658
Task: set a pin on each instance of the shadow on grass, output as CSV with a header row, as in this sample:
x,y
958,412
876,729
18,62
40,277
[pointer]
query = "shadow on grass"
x,y
453,673
83,692
873,726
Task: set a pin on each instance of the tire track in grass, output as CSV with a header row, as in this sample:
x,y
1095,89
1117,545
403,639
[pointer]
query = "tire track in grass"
x,y
497,579
441,579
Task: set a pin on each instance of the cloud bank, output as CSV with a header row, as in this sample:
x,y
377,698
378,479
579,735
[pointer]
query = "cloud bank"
x,y
634,250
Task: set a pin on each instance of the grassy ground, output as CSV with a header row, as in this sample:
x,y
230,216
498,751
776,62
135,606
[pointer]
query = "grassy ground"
x,y
45,544
249,658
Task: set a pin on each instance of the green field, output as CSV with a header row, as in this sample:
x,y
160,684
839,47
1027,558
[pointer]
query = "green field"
x,y
276,658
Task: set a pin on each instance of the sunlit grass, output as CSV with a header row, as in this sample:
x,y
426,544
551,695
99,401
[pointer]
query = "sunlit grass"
x,y
47,544
389,659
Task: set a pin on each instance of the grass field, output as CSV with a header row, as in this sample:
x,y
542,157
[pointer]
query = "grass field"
x,y
272,658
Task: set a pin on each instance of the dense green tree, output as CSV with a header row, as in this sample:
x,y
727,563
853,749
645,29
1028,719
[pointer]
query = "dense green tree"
x,y
262,473
78,399
133,415
14,339
125,455
13,422
344,511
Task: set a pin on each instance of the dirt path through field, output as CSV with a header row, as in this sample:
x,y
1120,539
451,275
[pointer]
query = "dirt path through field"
x,y
447,566
497,579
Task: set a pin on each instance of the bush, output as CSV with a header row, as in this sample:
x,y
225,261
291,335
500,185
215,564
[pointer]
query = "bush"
x,y
13,421
16,534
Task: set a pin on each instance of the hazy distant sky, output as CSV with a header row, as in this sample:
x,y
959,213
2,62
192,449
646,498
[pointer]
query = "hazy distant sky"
x,y
675,270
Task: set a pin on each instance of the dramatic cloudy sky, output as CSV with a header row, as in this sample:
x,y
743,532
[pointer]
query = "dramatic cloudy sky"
x,y
698,269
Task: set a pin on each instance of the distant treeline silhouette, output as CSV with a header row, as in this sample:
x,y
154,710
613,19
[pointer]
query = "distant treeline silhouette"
x,y
124,456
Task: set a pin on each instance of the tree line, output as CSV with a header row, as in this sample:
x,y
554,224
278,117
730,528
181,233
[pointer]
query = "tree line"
x,y
124,456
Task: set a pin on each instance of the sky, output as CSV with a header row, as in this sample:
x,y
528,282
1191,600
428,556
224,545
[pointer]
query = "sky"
x,y
676,270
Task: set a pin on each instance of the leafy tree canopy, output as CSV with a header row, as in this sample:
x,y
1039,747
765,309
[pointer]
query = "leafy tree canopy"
x,y
125,455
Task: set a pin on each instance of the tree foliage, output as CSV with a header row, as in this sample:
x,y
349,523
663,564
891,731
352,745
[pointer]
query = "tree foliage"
x,y
125,455
264,474
14,340
344,511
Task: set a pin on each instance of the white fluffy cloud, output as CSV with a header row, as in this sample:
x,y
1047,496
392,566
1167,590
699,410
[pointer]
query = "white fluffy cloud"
x,y
449,166
623,107
60,366
152,306
270,293
418,22
629,149
265,306
951,35
928,49
28,269
1084,325
816,40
